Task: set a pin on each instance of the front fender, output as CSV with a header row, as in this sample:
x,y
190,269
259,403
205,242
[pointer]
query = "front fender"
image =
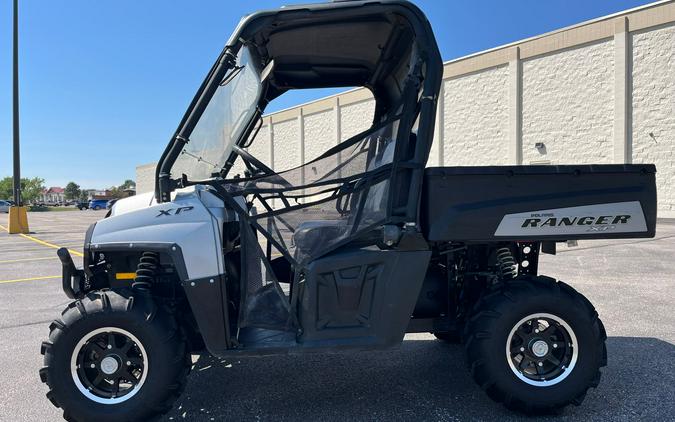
x,y
185,222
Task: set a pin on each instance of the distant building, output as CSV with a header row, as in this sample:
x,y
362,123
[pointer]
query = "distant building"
x,y
53,195
97,194
105,193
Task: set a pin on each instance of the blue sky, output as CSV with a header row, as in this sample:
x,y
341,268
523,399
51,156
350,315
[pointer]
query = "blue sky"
x,y
104,83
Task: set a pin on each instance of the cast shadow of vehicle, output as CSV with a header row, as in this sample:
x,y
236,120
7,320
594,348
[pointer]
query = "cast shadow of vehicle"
x,y
423,380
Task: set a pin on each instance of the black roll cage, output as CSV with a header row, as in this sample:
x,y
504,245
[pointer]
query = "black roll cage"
x,y
422,82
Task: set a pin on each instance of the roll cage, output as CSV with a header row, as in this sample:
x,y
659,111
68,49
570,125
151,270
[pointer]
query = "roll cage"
x,y
353,191
387,47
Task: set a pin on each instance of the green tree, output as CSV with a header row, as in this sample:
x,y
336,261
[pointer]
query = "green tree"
x,y
31,189
128,184
118,191
115,192
6,188
72,191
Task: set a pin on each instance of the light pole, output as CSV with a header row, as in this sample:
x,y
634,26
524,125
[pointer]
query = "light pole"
x,y
18,218
15,100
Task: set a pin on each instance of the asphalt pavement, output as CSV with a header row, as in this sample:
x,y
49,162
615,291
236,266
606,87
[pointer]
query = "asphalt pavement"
x,y
631,283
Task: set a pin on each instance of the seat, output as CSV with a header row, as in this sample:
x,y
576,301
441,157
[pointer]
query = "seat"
x,y
313,235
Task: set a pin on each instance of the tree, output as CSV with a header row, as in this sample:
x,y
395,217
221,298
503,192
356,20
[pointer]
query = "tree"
x,y
115,192
118,191
72,191
6,188
128,184
31,189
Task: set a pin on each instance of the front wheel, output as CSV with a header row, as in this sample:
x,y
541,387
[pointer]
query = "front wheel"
x,y
535,345
113,357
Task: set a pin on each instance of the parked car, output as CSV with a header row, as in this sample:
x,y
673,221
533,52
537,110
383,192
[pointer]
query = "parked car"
x,y
82,205
98,204
4,206
110,203
48,204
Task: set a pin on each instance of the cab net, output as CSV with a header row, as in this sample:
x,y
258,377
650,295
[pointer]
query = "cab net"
x,y
308,211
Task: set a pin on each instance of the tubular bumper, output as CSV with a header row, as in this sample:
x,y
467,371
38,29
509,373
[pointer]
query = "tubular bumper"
x,y
71,276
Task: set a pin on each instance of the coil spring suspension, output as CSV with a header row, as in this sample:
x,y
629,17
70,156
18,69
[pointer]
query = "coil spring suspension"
x,y
146,271
506,264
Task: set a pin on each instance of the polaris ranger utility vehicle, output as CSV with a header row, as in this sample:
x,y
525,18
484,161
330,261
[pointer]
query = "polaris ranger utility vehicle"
x,y
349,251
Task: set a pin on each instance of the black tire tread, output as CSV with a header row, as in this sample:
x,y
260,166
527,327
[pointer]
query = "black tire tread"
x,y
108,301
475,330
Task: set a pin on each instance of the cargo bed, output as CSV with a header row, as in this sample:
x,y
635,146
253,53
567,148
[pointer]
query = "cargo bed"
x,y
565,202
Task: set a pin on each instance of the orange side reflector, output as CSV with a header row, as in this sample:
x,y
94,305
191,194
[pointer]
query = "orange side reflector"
x,y
125,276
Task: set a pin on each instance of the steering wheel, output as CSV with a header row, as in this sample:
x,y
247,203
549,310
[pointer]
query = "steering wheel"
x,y
250,160
263,170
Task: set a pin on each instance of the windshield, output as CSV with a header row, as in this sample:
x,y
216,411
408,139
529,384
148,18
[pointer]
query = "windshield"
x,y
223,120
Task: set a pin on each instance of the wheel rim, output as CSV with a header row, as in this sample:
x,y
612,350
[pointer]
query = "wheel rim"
x,y
542,349
109,365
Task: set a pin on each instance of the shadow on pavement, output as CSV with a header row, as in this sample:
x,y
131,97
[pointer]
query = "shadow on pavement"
x,y
423,380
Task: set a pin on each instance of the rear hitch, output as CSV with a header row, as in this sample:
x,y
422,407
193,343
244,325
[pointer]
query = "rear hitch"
x,y
71,275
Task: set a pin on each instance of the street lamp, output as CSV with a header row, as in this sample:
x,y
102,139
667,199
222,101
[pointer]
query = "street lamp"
x,y
18,218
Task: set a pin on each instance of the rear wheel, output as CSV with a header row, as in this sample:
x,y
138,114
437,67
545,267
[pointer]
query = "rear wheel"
x,y
535,345
113,357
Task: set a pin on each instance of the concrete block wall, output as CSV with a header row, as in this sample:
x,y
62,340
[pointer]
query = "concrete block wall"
x,y
568,105
653,107
473,136
601,91
145,178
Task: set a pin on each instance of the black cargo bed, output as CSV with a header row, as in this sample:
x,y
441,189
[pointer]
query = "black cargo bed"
x,y
540,202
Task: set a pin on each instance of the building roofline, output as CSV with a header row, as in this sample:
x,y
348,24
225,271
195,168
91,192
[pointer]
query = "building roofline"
x,y
491,63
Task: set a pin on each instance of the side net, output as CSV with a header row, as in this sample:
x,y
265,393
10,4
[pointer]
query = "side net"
x,y
264,303
308,211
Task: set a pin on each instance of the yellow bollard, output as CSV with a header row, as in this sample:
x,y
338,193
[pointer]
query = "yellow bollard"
x,y
18,220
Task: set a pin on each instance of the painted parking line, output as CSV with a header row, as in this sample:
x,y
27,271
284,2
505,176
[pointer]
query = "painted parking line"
x,y
18,280
42,242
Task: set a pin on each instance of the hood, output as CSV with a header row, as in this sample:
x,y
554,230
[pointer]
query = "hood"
x,y
133,203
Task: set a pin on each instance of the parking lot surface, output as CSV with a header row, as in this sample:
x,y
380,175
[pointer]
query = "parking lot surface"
x,y
631,283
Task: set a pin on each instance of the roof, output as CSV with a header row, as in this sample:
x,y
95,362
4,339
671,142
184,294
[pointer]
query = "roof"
x,y
55,189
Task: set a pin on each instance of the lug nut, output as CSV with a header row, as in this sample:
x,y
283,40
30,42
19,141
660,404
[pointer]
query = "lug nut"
x,y
93,366
110,346
128,363
555,346
522,349
541,364
536,330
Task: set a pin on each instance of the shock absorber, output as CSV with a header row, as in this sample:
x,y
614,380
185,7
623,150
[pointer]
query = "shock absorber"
x,y
146,271
506,264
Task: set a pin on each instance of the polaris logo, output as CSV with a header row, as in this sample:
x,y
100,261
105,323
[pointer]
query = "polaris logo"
x,y
618,217
579,221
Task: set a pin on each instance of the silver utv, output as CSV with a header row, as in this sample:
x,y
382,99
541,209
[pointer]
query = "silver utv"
x,y
348,251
